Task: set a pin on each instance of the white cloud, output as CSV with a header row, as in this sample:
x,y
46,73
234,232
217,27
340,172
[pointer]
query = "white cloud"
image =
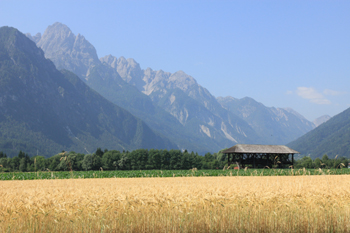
x,y
333,92
289,92
311,94
320,101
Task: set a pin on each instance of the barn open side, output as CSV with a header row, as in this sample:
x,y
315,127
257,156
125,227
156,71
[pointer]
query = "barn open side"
x,y
260,156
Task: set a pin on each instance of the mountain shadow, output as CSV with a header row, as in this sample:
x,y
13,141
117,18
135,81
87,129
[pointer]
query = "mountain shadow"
x,y
45,111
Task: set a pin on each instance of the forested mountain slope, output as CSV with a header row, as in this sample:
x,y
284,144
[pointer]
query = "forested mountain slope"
x,y
331,138
46,111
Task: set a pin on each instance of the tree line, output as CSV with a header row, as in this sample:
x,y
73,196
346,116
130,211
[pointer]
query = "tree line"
x,y
324,162
140,159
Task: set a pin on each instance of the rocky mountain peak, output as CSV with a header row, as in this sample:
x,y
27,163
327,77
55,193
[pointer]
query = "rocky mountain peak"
x,y
128,69
181,80
110,60
59,26
148,71
133,63
122,60
121,65
55,33
66,50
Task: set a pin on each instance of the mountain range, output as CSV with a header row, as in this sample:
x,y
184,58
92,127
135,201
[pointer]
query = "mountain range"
x,y
56,94
43,110
172,104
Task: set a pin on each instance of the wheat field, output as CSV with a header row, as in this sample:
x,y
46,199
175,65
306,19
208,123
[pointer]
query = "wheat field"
x,y
186,204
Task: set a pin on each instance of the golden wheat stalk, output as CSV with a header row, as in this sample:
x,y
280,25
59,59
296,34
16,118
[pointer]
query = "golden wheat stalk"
x,y
179,204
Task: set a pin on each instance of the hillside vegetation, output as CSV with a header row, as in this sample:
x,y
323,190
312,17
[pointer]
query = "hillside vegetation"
x,y
331,138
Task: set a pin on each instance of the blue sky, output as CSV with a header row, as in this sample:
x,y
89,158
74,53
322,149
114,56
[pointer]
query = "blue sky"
x,y
281,53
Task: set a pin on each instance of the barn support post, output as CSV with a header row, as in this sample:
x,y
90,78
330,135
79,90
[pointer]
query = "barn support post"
x,y
292,160
240,161
254,155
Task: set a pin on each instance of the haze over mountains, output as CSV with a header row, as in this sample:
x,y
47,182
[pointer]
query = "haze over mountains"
x,y
281,125
45,110
320,120
173,104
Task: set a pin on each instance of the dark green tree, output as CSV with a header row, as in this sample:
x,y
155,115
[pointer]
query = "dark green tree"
x,y
53,162
21,155
185,161
198,161
14,163
326,161
317,162
3,162
124,162
96,162
77,161
110,160
39,163
138,159
23,165
2,155
154,159
306,162
208,157
99,152
165,159
87,162
175,159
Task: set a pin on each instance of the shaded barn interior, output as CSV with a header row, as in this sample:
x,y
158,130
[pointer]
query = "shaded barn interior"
x,y
260,156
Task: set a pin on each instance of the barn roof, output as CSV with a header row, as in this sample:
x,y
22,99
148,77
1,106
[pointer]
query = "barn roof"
x,y
260,149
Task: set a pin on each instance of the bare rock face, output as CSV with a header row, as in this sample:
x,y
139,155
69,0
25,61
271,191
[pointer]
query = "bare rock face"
x,y
191,104
155,81
235,120
129,70
66,50
279,125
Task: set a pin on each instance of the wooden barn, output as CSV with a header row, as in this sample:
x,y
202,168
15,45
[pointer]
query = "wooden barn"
x,y
260,156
